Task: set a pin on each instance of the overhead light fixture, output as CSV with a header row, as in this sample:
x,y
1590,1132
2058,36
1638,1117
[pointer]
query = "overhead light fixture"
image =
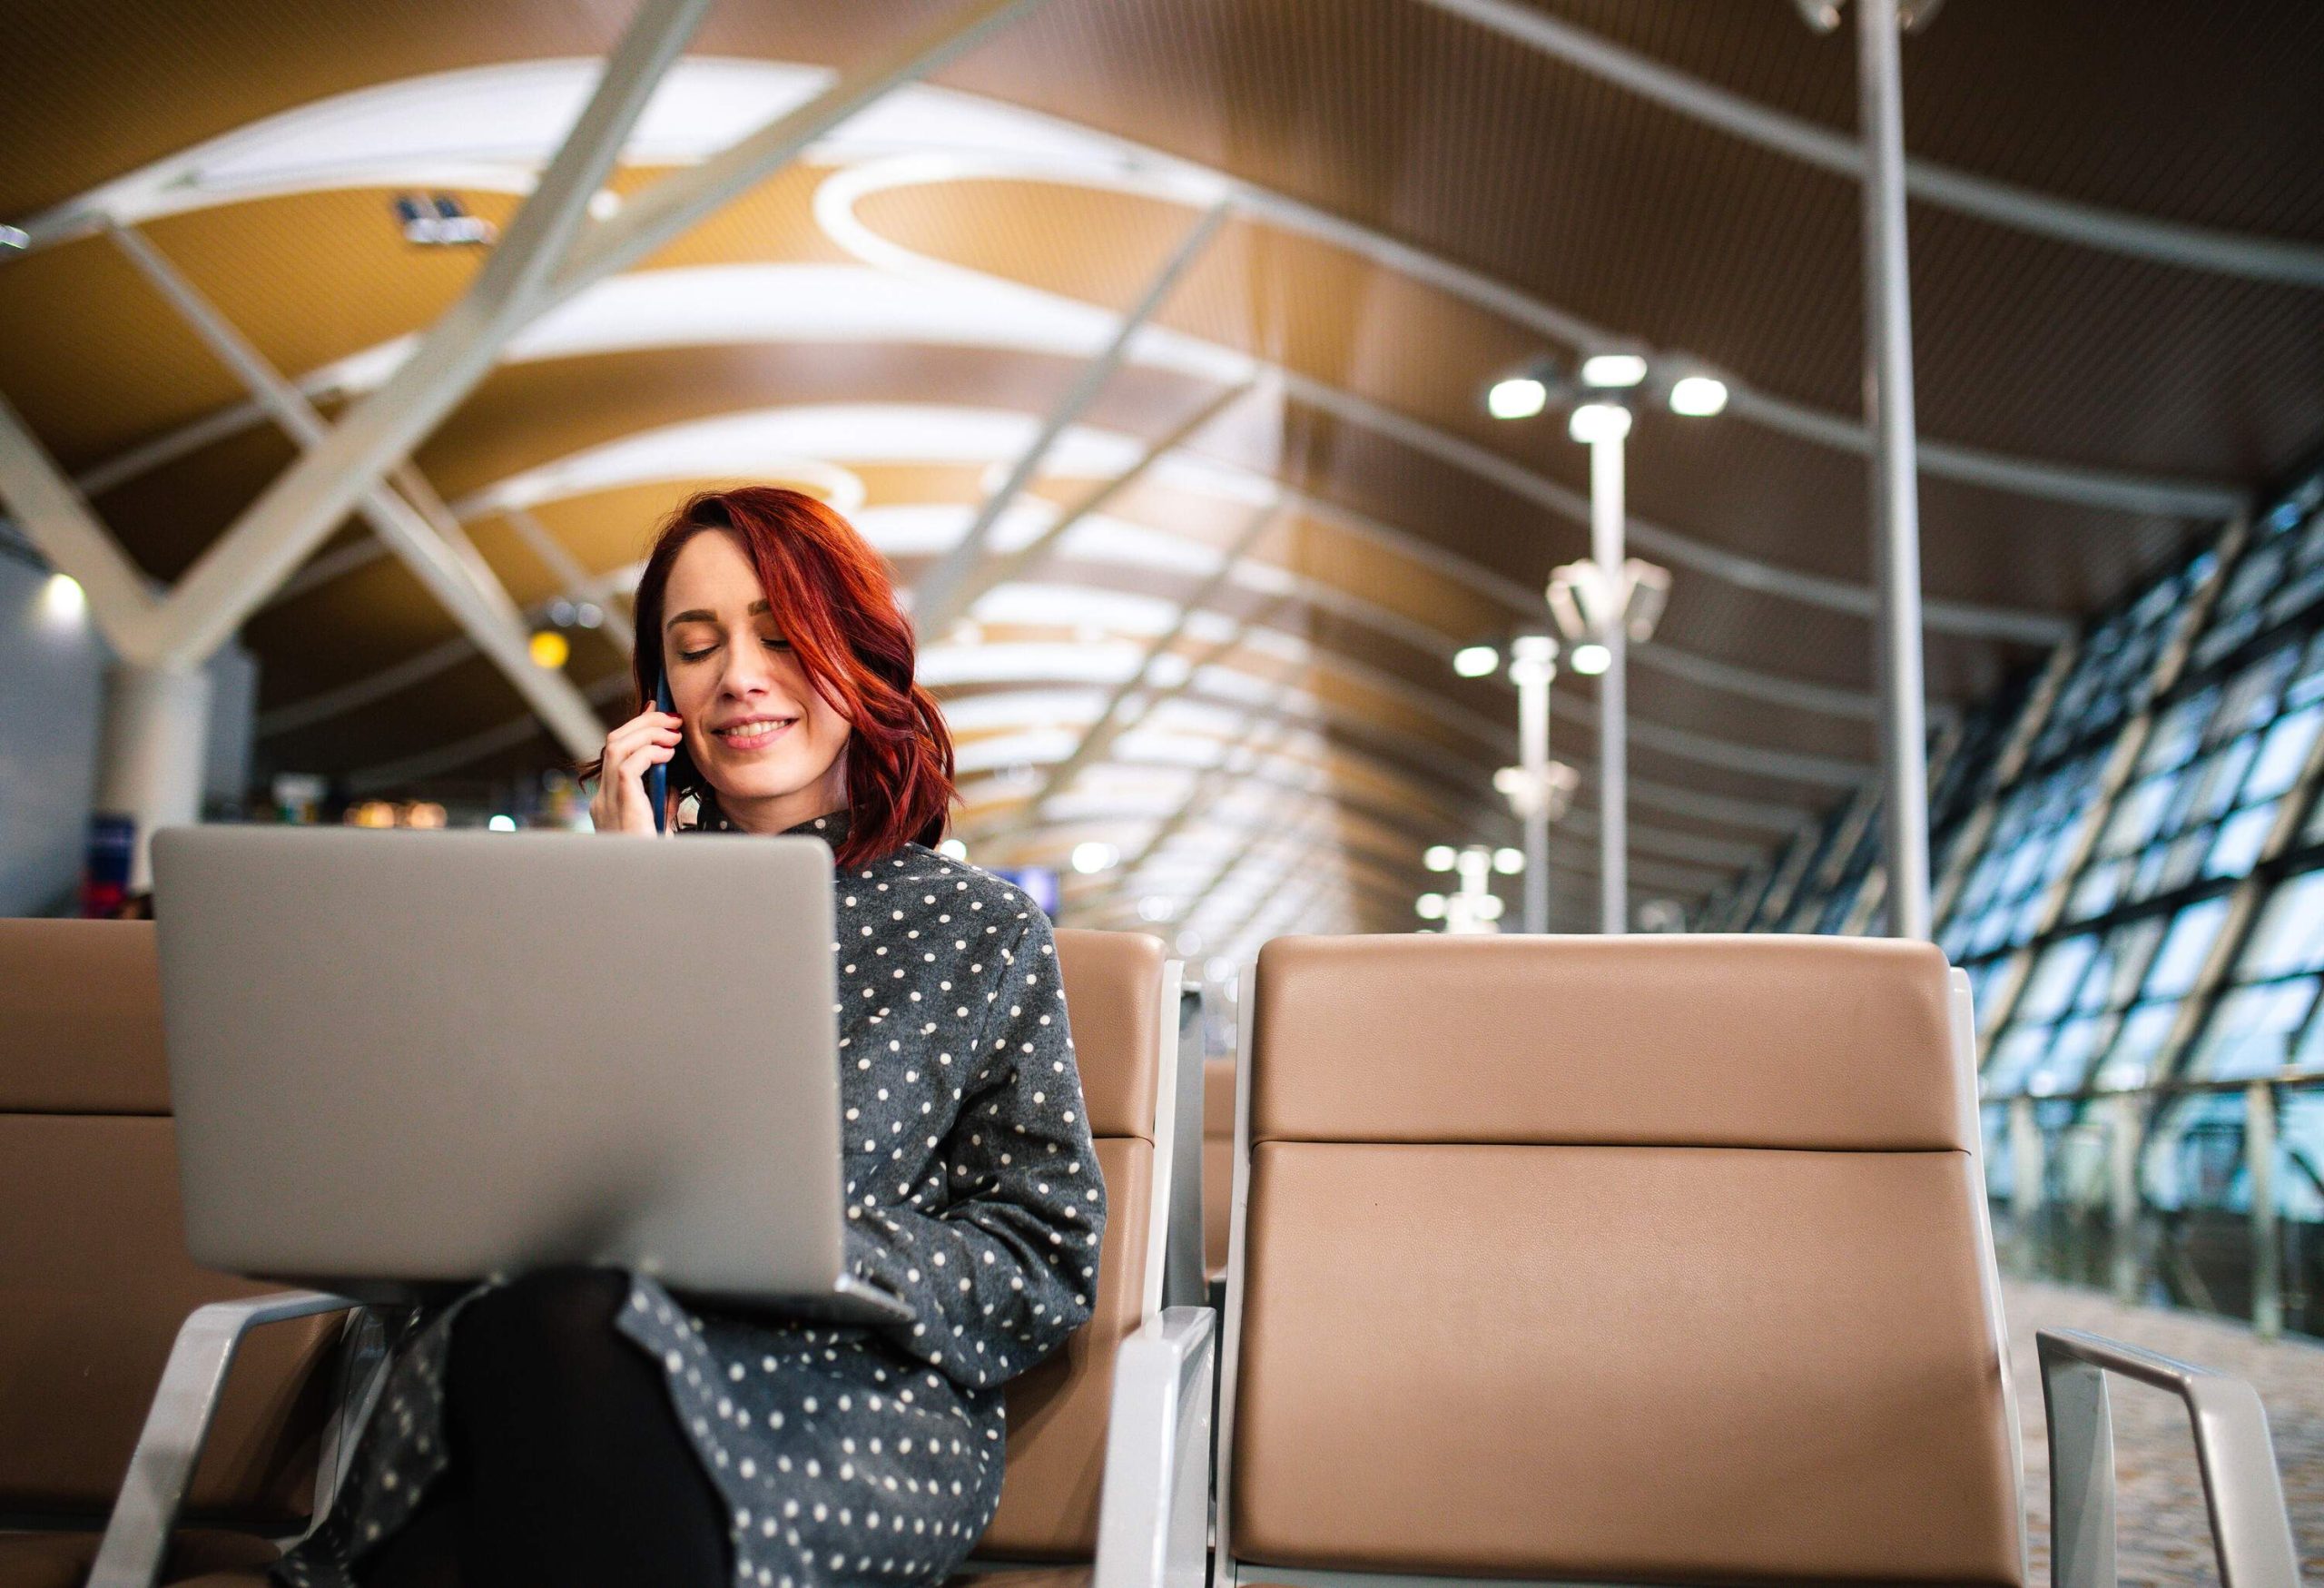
x,y
1188,944
953,849
1519,397
1092,857
63,602
1429,906
1440,857
1609,372
1599,421
15,238
1155,909
588,615
1509,862
501,825
1698,396
440,222
1475,661
550,648
561,613
1589,659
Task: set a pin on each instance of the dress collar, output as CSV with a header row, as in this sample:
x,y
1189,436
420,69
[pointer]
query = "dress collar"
x,y
830,827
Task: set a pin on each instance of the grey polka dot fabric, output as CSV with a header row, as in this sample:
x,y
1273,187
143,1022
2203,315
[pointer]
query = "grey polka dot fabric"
x,y
849,1455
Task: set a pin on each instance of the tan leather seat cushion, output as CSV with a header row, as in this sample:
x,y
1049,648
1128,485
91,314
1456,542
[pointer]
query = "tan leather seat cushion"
x,y
81,1019
1057,1413
1113,991
197,1556
1618,1364
1754,1041
973,1577
93,1283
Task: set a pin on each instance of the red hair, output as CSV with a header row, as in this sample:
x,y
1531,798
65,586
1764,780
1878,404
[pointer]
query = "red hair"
x,y
833,598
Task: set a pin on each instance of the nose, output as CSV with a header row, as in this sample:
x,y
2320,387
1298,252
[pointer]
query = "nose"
x,y
748,672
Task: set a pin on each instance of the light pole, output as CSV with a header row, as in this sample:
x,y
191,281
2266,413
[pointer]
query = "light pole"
x,y
1538,789
1604,604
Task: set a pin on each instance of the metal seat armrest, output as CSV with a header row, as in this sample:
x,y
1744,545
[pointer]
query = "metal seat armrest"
x,y
137,1535
1154,1512
2250,1529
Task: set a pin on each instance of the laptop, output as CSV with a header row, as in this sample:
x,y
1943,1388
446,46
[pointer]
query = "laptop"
x,y
400,1061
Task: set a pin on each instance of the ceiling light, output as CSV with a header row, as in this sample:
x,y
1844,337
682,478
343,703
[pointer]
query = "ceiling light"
x,y
550,648
1590,659
1154,909
1093,857
1698,396
501,825
588,615
15,238
63,601
1429,906
1188,944
1439,857
605,204
953,849
1520,396
561,613
1485,907
1599,421
1509,862
1607,370
1475,661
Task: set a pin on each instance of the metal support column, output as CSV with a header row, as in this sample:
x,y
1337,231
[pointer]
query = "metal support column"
x,y
2266,1248
2126,1125
2026,1171
1895,503
1606,509
150,763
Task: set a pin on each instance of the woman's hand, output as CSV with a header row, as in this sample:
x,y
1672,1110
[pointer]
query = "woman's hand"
x,y
621,804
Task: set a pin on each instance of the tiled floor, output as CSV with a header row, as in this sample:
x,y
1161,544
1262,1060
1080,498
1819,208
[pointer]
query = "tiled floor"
x,y
2163,1536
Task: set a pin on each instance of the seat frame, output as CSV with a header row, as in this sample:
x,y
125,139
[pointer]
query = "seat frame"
x,y
1157,1476
169,1446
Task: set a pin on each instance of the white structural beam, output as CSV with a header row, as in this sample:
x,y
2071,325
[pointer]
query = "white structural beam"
x,y
1606,509
59,521
433,547
2091,226
1895,520
239,571
1099,737
673,205
942,596
578,582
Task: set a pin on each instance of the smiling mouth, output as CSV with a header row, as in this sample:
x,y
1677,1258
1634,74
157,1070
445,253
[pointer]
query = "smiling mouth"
x,y
748,735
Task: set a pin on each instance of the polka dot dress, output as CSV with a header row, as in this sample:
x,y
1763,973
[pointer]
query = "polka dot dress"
x,y
848,1455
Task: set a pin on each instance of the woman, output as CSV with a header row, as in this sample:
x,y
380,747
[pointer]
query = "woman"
x,y
583,1426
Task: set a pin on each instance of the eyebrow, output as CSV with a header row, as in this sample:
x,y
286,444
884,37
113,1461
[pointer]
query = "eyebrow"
x,y
704,615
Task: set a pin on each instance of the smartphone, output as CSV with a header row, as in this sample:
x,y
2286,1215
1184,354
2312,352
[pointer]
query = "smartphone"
x,y
658,776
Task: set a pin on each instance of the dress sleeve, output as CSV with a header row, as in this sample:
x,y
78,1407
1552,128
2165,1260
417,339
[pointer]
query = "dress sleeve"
x,y
1001,1265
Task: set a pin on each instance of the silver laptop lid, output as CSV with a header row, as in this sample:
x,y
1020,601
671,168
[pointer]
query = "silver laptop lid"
x,y
444,1056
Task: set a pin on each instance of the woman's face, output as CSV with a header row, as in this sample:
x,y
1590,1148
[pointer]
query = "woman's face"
x,y
763,736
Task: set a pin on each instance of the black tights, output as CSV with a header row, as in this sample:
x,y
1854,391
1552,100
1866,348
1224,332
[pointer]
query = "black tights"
x,y
567,1465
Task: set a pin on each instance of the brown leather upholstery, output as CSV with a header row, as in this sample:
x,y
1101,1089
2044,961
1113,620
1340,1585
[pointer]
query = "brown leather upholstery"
x,y
1057,1413
94,1276
1113,991
1746,1041
1564,1337
1217,1162
81,1008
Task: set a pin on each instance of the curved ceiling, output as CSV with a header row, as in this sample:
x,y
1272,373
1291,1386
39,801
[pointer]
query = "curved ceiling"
x,y
1422,201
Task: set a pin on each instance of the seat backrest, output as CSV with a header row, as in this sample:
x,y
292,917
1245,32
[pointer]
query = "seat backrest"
x,y
1116,1004
94,1276
1615,1259
1217,1162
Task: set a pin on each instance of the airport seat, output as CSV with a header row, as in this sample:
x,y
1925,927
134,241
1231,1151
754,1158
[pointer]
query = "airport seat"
x,y
1217,1162
94,1282
1658,1260
1121,1000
